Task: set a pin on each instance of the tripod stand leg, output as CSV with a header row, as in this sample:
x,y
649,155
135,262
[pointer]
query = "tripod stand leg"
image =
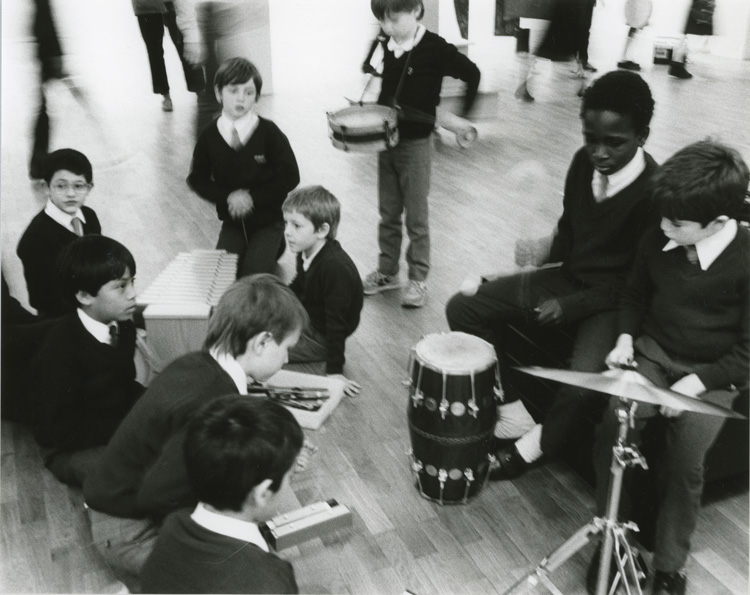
x,y
564,552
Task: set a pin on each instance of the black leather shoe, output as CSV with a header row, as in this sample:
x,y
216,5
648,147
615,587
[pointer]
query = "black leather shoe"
x,y
628,65
592,574
677,69
669,583
510,464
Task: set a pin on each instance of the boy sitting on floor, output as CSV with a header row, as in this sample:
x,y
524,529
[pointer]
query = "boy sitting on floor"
x,y
141,477
685,321
82,379
69,179
239,454
327,281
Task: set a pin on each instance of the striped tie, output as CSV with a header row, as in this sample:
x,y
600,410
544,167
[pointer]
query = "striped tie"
x,y
692,254
236,142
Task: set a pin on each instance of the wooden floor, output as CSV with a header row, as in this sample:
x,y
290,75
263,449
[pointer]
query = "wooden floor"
x,y
508,185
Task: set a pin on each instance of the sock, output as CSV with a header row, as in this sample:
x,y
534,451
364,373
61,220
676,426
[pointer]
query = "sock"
x,y
529,446
513,420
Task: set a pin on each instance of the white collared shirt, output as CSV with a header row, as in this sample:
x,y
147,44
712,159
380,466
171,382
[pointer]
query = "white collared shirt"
x,y
232,367
229,526
306,262
245,127
622,178
62,217
710,248
99,330
399,49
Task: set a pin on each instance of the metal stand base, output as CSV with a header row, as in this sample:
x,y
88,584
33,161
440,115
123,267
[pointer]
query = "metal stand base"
x,y
615,540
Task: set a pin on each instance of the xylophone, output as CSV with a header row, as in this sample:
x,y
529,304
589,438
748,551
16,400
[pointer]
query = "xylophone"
x,y
178,303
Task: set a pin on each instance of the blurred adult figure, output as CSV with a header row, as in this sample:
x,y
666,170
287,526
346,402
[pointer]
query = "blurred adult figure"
x,y
153,16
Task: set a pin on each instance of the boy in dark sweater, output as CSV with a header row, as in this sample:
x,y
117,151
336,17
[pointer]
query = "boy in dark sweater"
x,y
327,282
414,64
141,476
606,208
239,454
245,166
69,180
684,321
82,379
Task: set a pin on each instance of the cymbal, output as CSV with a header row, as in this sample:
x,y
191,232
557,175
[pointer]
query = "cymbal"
x,y
630,385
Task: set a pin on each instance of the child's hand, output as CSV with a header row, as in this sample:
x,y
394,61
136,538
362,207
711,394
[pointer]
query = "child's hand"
x,y
690,386
351,388
532,252
550,312
239,203
622,355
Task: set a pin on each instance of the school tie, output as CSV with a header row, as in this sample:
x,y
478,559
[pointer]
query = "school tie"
x,y
599,185
236,142
692,254
114,335
77,226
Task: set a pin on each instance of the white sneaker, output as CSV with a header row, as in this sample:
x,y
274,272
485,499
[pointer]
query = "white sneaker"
x,y
415,295
376,282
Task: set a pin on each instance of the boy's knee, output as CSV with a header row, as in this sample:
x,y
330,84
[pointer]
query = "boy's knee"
x,y
456,311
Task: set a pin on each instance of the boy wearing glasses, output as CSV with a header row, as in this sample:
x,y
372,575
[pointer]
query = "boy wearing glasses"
x,y
68,176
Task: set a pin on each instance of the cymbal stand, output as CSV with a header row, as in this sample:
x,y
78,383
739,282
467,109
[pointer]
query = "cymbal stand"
x,y
615,533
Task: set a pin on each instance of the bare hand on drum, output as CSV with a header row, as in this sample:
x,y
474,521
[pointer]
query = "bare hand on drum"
x,y
622,355
550,312
351,388
240,203
308,450
532,252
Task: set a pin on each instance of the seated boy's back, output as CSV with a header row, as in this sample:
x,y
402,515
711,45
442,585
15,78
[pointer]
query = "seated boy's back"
x,y
239,453
82,379
68,176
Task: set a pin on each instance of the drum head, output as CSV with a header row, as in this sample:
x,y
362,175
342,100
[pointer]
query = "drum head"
x,y
362,119
455,353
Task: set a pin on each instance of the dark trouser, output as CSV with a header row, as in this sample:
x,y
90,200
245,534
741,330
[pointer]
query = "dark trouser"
x,y
71,468
258,250
125,544
152,31
40,145
403,185
680,467
512,299
311,347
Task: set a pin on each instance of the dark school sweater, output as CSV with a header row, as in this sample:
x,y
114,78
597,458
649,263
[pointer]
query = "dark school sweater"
x,y
331,292
697,315
432,59
81,389
142,473
596,241
39,248
188,558
265,166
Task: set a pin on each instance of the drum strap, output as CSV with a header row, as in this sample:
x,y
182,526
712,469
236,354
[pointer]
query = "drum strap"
x,y
403,73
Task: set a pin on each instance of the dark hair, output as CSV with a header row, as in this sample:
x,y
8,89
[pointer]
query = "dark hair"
x,y
252,305
234,443
316,204
89,262
701,182
622,92
70,159
237,71
384,8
